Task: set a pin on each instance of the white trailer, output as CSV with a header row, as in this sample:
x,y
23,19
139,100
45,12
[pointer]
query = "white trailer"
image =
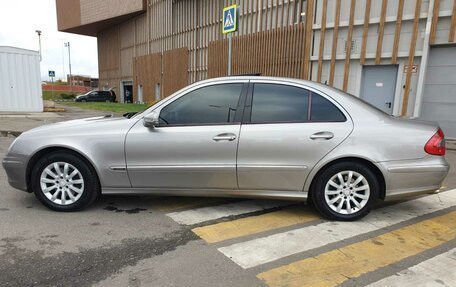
x,y
20,80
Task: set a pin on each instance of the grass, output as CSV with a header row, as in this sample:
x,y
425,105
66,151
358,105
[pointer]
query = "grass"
x,y
111,107
57,95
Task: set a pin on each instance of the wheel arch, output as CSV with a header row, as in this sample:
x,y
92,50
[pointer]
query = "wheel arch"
x,y
42,152
374,168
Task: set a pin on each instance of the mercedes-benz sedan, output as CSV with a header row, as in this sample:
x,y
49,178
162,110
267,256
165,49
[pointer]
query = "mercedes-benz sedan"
x,y
240,137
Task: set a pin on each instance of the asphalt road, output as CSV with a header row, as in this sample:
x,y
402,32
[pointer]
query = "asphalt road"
x,y
167,241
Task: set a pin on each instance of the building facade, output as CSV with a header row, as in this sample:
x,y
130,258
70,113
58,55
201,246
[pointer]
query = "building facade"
x,y
82,80
399,55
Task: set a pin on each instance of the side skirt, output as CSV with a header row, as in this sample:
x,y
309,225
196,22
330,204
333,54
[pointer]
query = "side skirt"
x,y
267,194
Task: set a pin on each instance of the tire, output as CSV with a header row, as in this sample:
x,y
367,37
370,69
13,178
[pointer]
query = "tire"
x,y
81,187
361,193
84,101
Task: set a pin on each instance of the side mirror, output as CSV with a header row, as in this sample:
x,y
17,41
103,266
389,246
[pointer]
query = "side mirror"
x,y
151,120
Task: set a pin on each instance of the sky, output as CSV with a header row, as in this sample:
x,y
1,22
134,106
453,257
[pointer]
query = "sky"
x,y
20,18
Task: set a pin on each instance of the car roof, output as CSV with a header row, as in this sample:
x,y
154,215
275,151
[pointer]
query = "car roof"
x,y
267,78
340,96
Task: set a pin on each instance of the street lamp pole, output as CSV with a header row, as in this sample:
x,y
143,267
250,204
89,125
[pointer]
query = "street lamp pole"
x,y
39,42
67,44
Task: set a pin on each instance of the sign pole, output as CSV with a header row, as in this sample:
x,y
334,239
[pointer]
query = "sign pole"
x,y
51,75
230,52
229,22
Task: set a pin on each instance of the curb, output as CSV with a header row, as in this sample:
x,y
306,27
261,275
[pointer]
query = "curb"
x,y
10,133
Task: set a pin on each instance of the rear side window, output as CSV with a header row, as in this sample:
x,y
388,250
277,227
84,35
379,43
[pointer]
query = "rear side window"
x,y
279,103
209,105
272,103
325,111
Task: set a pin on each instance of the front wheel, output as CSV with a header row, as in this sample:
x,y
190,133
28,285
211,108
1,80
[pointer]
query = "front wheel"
x,y
345,191
64,182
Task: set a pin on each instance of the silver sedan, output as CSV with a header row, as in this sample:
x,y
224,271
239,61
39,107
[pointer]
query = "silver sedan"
x,y
237,137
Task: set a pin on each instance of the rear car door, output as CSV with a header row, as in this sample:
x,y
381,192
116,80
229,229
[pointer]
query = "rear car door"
x,y
92,97
195,145
286,130
101,96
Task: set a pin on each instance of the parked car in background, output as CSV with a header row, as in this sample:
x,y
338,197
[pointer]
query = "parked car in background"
x,y
97,96
260,137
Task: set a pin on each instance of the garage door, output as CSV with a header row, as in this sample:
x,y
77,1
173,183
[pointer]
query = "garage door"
x,y
439,99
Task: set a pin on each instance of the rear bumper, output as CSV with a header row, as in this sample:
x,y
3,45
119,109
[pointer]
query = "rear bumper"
x,y
414,177
15,167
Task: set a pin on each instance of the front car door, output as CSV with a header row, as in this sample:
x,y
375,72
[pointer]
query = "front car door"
x,y
286,130
195,145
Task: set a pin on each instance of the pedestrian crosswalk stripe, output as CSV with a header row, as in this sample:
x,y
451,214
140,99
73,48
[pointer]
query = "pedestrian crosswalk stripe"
x,y
437,271
255,224
335,267
203,214
270,248
169,204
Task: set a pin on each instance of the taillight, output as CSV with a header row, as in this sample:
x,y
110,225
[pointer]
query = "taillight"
x,y
436,145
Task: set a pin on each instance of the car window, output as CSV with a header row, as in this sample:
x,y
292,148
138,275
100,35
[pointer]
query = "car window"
x,y
279,103
325,111
209,105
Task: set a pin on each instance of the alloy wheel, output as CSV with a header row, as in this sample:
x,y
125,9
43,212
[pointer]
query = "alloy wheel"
x,y
347,192
62,183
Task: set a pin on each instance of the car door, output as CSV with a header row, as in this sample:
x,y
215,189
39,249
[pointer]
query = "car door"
x,y
92,97
101,97
195,145
286,130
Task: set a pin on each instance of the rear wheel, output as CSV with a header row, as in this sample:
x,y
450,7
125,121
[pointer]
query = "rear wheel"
x,y
345,191
64,182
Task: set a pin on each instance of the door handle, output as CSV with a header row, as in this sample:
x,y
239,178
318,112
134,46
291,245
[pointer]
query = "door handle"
x,y
224,137
322,136
388,104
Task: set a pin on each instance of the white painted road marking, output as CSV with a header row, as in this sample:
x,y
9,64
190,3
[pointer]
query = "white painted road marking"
x,y
203,214
437,271
267,249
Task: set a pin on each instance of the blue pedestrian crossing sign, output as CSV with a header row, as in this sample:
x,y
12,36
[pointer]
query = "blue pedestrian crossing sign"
x,y
51,74
229,20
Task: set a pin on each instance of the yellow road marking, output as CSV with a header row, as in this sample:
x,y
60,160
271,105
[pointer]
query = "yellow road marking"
x,y
334,267
255,224
176,203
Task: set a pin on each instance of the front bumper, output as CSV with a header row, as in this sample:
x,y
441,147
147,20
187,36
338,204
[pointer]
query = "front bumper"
x,y
414,177
15,167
